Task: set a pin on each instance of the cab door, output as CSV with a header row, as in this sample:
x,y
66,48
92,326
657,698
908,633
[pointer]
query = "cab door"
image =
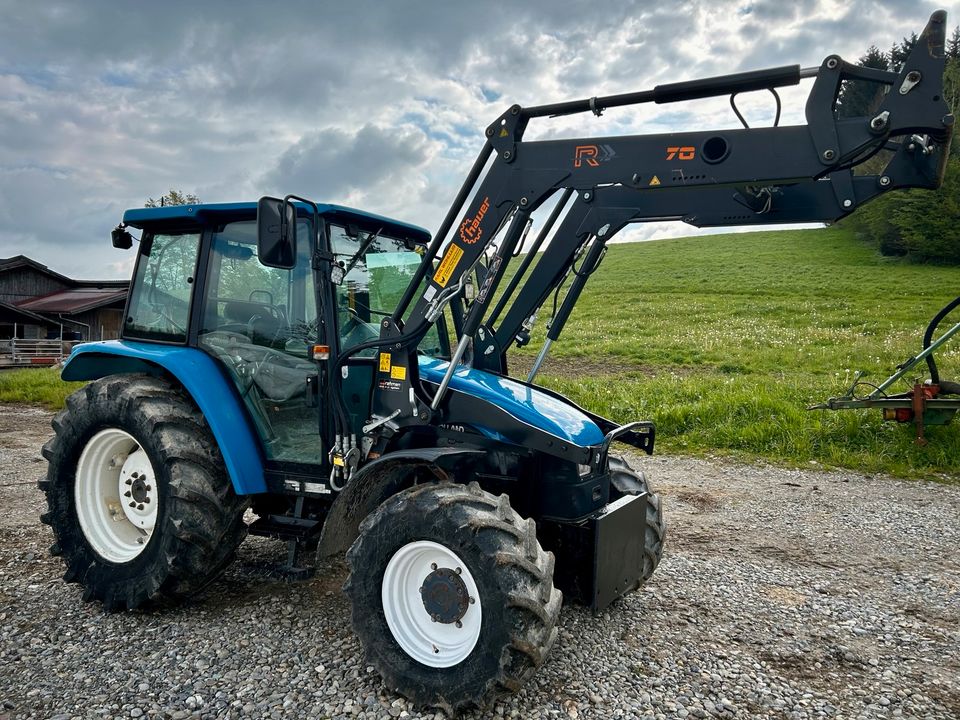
x,y
261,323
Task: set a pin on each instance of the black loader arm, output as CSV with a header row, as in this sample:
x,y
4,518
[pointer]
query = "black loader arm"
x,y
597,215
715,177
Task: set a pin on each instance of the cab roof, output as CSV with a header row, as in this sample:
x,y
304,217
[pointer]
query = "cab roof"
x,y
204,213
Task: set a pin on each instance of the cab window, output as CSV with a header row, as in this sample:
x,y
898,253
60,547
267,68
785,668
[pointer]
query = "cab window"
x,y
379,269
260,322
162,291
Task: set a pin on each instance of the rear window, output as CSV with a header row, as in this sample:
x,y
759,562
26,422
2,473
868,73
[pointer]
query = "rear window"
x,y
162,289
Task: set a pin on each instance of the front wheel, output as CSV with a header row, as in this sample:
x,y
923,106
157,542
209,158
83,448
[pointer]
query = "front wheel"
x,y
452,596
624,480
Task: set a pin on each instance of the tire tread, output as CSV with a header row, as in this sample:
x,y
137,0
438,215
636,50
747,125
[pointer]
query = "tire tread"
x,y
533,603
203,523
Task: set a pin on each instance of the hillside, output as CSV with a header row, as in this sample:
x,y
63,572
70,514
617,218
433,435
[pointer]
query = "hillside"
x,y
724,340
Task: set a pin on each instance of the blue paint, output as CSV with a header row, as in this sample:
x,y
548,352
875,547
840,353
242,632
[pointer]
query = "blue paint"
x,y
238,441
223,212
206,383
525,403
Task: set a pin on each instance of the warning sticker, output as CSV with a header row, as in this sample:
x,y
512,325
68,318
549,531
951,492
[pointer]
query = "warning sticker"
x,y
384,362
398,372
654,180
448,264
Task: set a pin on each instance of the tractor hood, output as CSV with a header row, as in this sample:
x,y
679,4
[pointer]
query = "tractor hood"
x,y
524,402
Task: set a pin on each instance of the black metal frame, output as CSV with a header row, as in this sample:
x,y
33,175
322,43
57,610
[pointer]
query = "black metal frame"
x,y
600,213
523,175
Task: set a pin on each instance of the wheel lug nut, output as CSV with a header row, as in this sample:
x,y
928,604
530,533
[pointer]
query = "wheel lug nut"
x,y
148,488
472,601
146,500
127,494
128,481
433,566
140,507
459,571
132,504
459,624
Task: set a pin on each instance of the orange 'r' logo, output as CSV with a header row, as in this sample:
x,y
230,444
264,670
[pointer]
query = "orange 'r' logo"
x,y
585,154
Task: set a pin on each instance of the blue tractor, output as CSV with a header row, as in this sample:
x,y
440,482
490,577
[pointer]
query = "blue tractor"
x,y
345,377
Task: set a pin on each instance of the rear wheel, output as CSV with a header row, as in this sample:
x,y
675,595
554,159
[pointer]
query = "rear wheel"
x,y
452,596
137,495
624,480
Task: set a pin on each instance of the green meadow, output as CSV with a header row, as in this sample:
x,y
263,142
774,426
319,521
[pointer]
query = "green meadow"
x,y
725,340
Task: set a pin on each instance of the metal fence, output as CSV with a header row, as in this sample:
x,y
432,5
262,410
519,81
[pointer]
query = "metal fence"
x,y
18,352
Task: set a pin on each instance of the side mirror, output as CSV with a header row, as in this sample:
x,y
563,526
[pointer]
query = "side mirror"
x,y
122,240
276,233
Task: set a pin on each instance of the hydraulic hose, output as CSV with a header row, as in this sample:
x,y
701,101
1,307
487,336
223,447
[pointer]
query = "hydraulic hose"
x,y
928,337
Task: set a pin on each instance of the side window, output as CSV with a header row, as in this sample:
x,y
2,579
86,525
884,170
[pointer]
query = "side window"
x,y
260,322
163,288
267,306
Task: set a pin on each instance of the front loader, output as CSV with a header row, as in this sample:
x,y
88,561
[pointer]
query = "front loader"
x,y
344,375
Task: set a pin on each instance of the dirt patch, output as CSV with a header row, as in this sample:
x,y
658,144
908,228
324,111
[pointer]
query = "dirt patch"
x,y
831,592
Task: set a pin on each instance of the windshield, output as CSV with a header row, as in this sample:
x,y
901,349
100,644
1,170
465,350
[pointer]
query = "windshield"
x,y
374,284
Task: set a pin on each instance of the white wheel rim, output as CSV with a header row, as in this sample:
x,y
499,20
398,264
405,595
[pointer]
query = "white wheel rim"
x,y
435,644
115,495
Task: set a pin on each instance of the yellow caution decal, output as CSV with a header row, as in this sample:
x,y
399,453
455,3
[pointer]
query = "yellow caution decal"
x,y
654,181
384,362
398,372
447,265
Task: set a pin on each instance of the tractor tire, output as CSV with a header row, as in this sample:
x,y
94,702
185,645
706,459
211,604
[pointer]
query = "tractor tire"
x,y
624,480
137,495
452,596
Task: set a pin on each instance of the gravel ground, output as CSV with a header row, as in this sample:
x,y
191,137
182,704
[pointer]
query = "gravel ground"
x,y
783,594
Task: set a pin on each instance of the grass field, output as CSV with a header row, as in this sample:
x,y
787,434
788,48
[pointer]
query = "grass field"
x,y
36,386
724,340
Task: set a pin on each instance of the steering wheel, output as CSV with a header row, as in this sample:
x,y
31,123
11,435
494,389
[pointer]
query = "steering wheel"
x,y
252,330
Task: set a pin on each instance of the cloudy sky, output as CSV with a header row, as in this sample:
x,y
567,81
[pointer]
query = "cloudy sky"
x,y
378,105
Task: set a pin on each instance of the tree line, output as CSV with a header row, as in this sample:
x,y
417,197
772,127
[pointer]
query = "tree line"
x,y
919,224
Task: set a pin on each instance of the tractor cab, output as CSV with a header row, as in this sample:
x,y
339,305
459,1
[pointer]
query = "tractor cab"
x,y
200,282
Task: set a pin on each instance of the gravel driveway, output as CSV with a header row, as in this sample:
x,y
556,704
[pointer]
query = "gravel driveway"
x,y
783,594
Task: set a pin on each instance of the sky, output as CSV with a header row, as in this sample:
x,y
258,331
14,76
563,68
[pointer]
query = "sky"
x,y
375,105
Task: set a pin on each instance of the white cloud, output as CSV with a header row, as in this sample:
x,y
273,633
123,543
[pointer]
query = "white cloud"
x,y
382,105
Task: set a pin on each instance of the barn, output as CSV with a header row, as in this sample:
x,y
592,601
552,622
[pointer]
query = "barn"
x,y
40,309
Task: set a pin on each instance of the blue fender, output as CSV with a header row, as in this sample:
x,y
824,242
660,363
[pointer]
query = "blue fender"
x,y
210,389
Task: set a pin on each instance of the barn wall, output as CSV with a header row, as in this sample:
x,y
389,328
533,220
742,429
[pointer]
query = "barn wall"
x,y
24,283
24,331
104,323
